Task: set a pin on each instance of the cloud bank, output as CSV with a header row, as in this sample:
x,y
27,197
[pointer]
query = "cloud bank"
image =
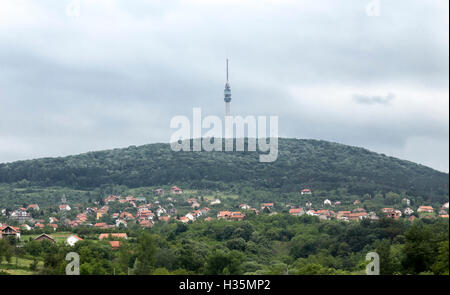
x,y
115,74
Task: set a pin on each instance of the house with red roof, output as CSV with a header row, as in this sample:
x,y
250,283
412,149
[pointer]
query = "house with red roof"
x,y
101,225
268,206
176,190
115,244
113,235
427,209
9,231
146,223
296,211
238,216
33,206
223,215
306,191
45,237
73,239
39,225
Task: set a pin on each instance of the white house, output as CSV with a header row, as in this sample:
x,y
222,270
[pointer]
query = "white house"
x,y
25,227
52,220
73,239
306,191
308,204
160,211
120,222
445,206
244,207
327,202
64,207
190,216
406,201
311,213
215,202
408,211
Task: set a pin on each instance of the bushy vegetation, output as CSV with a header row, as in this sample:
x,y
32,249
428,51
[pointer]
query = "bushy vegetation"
x,y
316,164
279,244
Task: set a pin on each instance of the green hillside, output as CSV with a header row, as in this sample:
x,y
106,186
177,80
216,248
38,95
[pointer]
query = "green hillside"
x,y
301,163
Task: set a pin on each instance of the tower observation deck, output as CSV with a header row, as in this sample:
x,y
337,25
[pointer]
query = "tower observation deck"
x,y
227,94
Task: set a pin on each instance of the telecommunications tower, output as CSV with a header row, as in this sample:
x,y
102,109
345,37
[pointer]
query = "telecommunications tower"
x,y
227,93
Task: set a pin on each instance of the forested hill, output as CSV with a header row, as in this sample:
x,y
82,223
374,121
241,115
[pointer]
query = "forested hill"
x,y
301,163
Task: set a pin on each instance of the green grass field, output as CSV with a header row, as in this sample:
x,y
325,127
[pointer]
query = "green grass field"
x,y
19,266
60,237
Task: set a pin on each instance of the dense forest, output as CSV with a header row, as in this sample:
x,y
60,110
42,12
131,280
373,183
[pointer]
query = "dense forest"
x,y
276,245
262,243
318,165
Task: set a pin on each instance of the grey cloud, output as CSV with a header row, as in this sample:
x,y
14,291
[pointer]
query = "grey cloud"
x,y
106,81
376,99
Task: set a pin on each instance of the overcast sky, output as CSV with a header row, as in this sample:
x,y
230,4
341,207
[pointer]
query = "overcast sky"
x,y
116,74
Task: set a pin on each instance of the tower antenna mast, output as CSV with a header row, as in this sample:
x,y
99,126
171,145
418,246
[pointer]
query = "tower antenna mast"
x,y
228,80
227,94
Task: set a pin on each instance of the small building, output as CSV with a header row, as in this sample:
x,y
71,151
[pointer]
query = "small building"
x,y
146,223
26,227
445,206
190,216
164,218
395,214
7,231
408,211
158,192
101,225
184,219
115,244
311,213
297,211
359,210
327,202
427,209
21,215
406,201
113,235
45,237
237,216
73,239
215,202
176,190
52,220
110,199
223,215
121,222
33,207
267,206
306,191
64,207
244,207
